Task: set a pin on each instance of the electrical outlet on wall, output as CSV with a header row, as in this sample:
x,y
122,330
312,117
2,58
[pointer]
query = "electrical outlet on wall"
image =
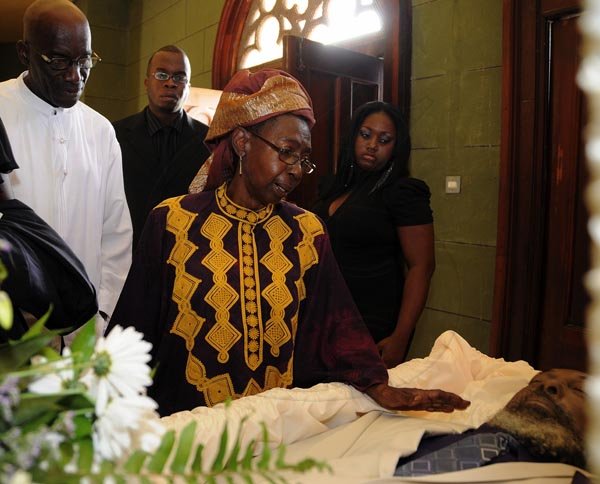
x,y
453,184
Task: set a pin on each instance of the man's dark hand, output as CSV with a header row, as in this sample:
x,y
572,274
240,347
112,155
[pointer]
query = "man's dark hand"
x,y
415,399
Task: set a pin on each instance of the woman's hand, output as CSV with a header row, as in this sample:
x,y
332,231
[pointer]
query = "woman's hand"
x,y
415,399
392,350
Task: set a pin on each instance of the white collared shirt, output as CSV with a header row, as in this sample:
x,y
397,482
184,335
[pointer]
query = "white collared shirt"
x,y
70,174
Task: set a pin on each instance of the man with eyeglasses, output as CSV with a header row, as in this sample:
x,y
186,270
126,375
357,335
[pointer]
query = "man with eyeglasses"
x,y
163,148
71,173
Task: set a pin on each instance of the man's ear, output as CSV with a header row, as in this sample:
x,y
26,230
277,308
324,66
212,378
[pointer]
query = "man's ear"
x,y
239,138
23,52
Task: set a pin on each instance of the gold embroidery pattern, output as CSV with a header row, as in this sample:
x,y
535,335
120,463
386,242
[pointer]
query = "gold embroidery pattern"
x,y
277,294
252,388
223,335
240,213
187,323
249,288
311,227
219,389
249,277
274,379
195,372
222,296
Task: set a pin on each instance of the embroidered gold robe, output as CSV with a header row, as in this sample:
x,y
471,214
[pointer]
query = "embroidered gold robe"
x,y
236,302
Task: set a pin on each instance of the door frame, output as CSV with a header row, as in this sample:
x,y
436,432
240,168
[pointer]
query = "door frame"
x,y
338,80
520,254
397,16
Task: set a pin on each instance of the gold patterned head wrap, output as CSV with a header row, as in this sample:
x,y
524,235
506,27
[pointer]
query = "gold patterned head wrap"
x,y
248,99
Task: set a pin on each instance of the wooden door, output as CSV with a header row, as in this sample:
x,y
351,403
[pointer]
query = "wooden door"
x,y
567,256
338,81
543,246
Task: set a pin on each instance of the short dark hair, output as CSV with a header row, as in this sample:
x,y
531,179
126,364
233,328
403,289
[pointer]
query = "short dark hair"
x,y
166,48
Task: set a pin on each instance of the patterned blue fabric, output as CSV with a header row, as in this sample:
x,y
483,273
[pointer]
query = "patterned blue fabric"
x,y
470,452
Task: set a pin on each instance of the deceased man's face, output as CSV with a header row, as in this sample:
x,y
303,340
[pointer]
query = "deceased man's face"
x,y
548,415
556,395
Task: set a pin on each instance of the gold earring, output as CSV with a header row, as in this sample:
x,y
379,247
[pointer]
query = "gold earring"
x,y
240,162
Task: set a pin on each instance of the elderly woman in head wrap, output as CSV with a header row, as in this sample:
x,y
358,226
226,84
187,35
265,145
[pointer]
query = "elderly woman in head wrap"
x,y
237,289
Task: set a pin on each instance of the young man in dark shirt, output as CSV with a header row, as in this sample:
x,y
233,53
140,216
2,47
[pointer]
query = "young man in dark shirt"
x,y
163,148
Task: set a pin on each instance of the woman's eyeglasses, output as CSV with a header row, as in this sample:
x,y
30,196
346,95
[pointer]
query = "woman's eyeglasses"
x,y
287,156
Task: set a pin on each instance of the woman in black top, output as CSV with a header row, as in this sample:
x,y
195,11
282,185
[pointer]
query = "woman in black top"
x,y
381,227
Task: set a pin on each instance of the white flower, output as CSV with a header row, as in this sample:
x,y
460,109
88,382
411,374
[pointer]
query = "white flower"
x,y
112,433
9,397
58,375
52,441
71,466
120,367
149,436
20,477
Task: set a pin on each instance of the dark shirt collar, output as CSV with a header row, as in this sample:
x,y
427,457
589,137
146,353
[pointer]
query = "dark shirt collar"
x,y
154,124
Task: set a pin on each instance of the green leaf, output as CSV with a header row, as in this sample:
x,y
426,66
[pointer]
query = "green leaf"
x,y
75,399
184,448
3,272
217,465
135,462
267,477
308,464
33,407
248,456
36,421
197,463
57,475
66,453
246,477
86,455
6,311
107,467
50,354
35,410
15,354
232,460
84,341
265,457
280,461
83,426
154,370
157,462
38,326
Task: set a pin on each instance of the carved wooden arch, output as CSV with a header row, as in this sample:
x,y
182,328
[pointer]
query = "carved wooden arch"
x,y
397,21
227,43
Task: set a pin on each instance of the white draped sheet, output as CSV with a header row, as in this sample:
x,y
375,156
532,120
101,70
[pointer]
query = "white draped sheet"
x,y
359,439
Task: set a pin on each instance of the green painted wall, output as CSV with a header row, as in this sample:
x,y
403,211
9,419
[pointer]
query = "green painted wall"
x,y
455,127
9,61
455,124
126,32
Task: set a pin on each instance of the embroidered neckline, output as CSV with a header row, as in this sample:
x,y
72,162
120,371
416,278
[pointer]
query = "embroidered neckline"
x,y
233,210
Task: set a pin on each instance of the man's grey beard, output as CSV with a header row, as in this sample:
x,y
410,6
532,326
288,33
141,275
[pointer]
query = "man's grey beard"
x,y
542,437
